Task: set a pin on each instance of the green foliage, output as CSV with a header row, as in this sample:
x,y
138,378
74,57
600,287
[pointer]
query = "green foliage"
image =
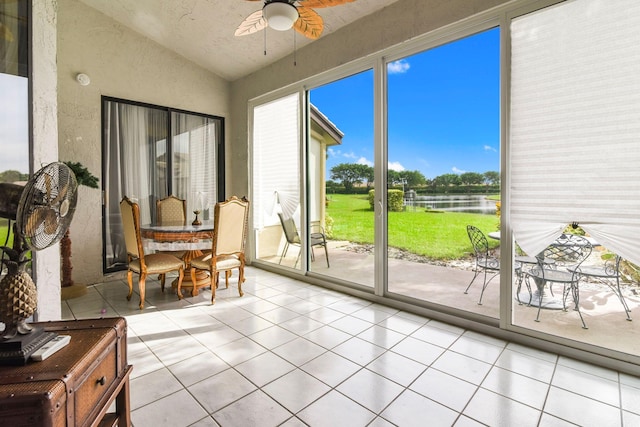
x,y
410,178
328,226
13,176
83,176
351,174
395,200
440,236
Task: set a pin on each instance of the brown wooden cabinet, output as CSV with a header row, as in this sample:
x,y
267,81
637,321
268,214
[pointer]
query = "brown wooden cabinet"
x,y
77,385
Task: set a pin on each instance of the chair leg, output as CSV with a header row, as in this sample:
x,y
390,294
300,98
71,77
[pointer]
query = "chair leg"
x,y
180,277
227,274
163,277
141,287
241,279
484,285
214,277
627,310
326,254
284,251
475,274
575,291
130,283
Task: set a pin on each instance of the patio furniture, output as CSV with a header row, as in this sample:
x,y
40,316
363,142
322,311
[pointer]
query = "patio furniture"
x,y
188,241
485,262
137,260
172,211
607,274
227,251
293,238
568,252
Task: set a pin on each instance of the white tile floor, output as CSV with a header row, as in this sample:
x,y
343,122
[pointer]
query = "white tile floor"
x,y
293,354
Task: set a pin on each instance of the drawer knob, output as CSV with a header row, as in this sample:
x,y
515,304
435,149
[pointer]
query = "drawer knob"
x,y
102,381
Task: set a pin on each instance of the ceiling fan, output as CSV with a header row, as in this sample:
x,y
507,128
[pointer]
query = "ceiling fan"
x,y
282,15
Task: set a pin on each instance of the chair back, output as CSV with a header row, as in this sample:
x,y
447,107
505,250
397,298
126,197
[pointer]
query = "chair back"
x,y
478,241
130,213
569,250
171,211
230,224
289,228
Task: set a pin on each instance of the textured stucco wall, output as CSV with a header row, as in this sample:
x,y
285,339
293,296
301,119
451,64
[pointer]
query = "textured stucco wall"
x,y
397,23
121,64
44,134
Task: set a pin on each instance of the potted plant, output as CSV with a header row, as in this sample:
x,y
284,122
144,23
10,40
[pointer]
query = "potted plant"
x,y
69,289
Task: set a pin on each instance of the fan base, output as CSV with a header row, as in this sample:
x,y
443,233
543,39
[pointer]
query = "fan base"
x,y
17,350
74,291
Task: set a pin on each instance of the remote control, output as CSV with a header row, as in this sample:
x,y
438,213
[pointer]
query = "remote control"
x,y
51,347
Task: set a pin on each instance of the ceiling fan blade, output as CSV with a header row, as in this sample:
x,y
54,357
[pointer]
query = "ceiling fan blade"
x,y
309,23
323,3
252,24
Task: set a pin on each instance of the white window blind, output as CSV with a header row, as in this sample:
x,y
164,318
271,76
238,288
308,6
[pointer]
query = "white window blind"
x,y
575,124
276,160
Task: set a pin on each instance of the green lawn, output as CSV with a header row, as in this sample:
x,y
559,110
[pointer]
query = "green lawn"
x,y
437,235
3,233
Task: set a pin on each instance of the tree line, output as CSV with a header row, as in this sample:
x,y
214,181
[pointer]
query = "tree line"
x,y
350,175
13,176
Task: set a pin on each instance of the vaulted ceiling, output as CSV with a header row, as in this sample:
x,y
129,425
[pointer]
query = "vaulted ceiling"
x,y
203,30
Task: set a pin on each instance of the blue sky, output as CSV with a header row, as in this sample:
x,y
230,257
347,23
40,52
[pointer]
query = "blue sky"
x,y
14,136
444,110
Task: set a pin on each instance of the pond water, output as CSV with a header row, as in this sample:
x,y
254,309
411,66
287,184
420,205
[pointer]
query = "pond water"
x,y
454,203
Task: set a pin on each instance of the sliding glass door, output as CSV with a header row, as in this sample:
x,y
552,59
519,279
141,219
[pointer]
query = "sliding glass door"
x,y
276,195
340,178
575,127
150,152
443,145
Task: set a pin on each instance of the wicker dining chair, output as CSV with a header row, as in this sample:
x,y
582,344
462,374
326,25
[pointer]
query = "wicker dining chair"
x,y
159,263
172,211
230,223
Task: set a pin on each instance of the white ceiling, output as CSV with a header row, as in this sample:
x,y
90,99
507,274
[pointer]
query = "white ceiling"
x,y
202,30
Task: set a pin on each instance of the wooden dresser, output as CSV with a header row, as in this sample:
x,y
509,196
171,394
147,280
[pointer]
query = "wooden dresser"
x,y
77,385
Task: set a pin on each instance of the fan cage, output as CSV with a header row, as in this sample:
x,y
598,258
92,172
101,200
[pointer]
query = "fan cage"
x,y
47,205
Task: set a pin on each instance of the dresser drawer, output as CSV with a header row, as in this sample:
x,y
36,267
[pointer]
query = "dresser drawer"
x,y
95,385
77,385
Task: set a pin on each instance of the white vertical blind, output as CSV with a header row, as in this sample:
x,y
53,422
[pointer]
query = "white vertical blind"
x,y
276,160
575,124
194,157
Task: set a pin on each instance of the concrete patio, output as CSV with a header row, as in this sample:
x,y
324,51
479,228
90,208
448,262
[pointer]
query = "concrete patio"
x,y
443,285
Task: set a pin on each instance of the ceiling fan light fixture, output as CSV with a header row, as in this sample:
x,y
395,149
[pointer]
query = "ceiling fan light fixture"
x,y
280,15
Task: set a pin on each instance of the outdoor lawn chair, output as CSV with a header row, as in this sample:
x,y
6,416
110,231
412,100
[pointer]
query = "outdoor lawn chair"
x,y
293,238
485,262
230,222
607,274
137,260
568,252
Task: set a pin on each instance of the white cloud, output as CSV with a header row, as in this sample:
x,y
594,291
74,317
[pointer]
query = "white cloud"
x,y
332,152
350,155
489,148
364,161
395,166
456,170
398,67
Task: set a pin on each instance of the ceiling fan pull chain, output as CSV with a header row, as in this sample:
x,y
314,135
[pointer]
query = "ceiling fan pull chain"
x,y
265,43
295,62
